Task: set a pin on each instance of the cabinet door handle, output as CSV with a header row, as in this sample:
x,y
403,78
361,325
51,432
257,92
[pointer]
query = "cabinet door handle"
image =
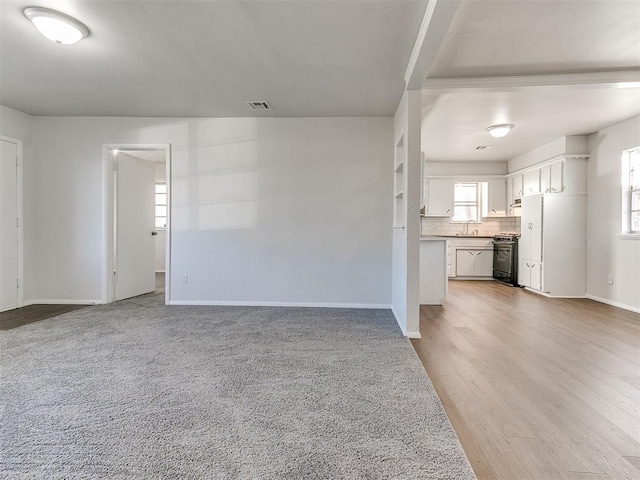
x,y
448,210
470,252
479,253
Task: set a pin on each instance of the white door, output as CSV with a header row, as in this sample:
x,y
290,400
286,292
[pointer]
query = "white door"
x,y
134,227
8,225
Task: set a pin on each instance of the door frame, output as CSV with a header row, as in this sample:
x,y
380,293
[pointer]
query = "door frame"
x,y
20,189
108,215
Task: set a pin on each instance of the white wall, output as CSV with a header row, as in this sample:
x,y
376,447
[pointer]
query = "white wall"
x,y
270,210
406,241
607,252
19,125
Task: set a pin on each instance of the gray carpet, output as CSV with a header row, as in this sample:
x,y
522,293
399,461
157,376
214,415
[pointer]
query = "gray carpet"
x,y
140,390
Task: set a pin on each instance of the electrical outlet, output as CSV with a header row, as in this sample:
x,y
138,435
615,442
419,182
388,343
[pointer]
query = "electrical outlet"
x,y
184,279
610,279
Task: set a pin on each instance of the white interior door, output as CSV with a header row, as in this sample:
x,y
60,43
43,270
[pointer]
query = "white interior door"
x,y
134,226
8,225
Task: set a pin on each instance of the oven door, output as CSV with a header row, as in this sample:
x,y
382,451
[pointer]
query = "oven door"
x,y
503,261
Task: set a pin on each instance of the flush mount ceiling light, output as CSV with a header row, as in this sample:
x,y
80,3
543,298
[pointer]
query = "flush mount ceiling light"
x,y
56,26
499,131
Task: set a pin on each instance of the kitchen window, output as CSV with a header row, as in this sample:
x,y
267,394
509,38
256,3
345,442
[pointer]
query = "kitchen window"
x,y
161,205
631,191
465,201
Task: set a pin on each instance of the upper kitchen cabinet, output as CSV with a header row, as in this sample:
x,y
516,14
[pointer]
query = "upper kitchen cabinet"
x,y
563,174
516,185
438,197
567,174
494,198
531,182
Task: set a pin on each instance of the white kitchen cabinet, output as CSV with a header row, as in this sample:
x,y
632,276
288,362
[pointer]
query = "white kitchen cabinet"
x,y
516,182
530,245
474,263
433,270
530,274
439,197
552,246
484,263
494,198
450,263
556,180
531,182
465,263
551,178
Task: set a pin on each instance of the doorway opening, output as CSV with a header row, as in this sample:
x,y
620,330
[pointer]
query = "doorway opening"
x,y
136,220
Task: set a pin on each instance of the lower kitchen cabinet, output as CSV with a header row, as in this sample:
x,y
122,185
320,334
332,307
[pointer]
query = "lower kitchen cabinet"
x,y
530,274
474,263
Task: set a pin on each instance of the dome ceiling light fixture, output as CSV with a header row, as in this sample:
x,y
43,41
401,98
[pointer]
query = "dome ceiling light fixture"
x,y
57,27
499,131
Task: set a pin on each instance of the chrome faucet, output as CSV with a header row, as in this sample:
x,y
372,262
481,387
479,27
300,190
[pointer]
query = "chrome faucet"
x,y
466,228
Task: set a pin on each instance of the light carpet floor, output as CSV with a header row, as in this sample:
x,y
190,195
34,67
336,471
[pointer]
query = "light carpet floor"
x,y
140,390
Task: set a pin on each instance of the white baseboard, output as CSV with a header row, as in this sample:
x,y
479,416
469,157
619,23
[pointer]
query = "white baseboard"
x,y
413,335
161,271
613,304
377,306
57,301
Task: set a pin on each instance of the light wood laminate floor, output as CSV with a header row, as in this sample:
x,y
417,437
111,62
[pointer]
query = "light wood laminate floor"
x,y
536,388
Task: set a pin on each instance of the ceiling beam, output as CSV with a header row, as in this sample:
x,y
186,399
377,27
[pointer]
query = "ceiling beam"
x,y
435,24
611,79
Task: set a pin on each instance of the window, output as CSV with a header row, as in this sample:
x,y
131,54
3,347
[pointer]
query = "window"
x,y
161,205
631,191
465,202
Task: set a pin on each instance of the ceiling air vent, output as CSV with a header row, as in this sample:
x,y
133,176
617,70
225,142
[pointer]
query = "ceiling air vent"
x,y
259,105
482,147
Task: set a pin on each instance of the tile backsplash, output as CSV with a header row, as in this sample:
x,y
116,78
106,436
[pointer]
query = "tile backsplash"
x,y
486,227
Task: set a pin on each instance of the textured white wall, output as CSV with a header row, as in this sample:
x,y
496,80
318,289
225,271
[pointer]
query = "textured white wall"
x,y
264,210
607,252
19,125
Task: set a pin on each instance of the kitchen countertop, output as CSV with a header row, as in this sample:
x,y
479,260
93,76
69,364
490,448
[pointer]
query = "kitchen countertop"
x,y
427,238
459,236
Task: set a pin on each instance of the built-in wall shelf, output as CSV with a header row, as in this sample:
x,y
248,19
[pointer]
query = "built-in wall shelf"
x,y
399,183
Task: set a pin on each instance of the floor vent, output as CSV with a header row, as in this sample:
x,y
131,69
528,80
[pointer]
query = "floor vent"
x,y
259,105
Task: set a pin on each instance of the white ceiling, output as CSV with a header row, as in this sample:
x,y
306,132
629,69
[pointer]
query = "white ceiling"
x,y
199,58
490,38
205,58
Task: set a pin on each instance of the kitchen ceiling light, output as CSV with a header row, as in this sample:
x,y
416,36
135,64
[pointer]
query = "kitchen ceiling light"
x,y
499,131
56,26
